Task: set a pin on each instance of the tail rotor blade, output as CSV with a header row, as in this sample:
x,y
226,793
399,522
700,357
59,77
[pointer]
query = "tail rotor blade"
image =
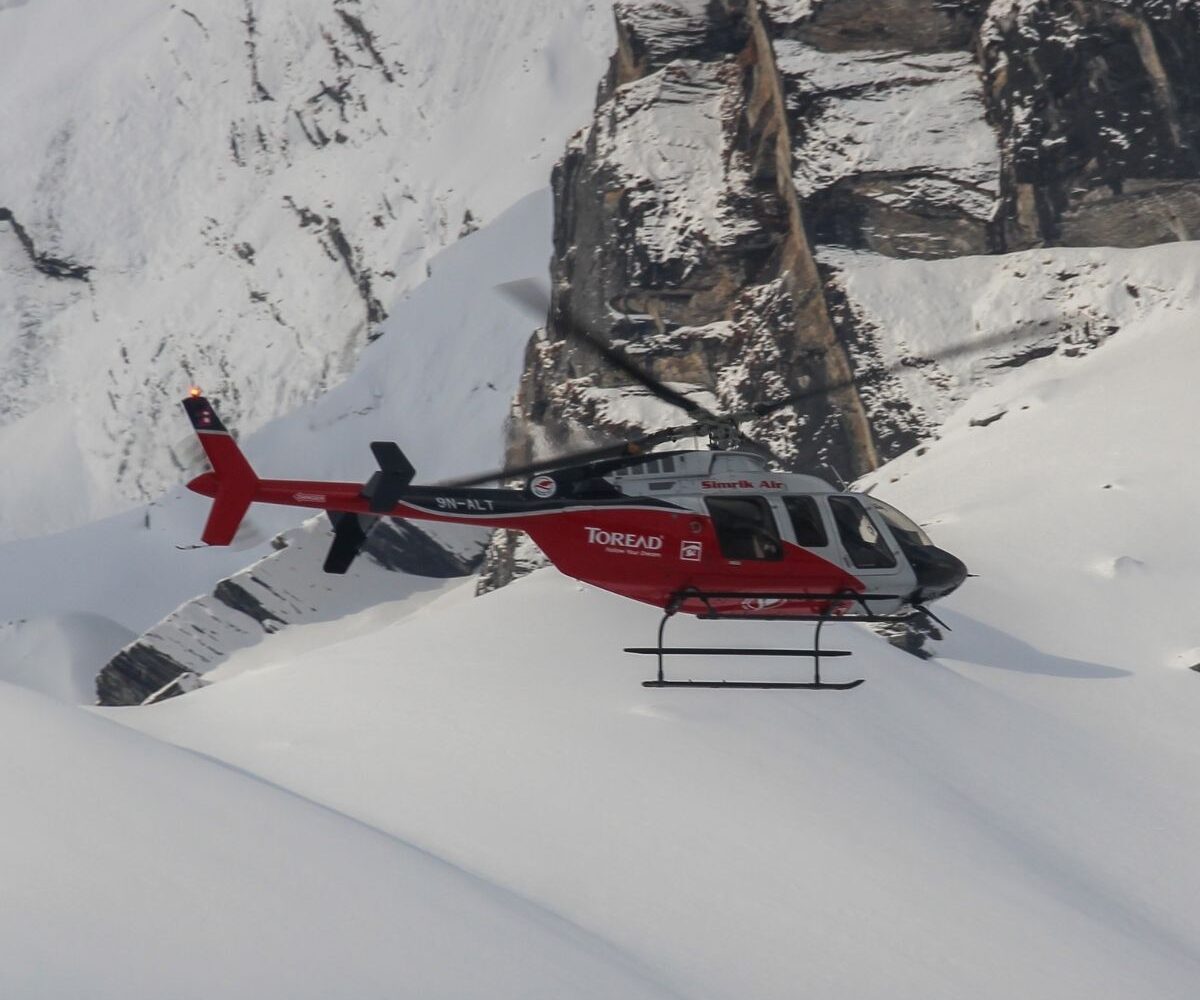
x,y
349,537
587,456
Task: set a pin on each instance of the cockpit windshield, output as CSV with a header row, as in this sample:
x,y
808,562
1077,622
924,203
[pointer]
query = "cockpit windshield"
x,y
906,530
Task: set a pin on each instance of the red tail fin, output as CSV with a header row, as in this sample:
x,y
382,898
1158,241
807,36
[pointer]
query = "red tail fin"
x,y
232,483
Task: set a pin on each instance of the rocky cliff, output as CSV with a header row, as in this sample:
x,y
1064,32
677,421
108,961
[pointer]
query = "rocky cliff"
x,y
286,588
740,148
752,162
679,235
1098,109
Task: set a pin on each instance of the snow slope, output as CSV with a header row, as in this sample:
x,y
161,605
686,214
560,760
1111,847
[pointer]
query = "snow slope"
x,y
983,317
1068,487
56,654
132,869
477,797
439,383
1013,818
926,836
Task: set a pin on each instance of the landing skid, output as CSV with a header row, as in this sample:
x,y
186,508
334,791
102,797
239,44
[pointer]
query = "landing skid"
x,y
830,602
757,685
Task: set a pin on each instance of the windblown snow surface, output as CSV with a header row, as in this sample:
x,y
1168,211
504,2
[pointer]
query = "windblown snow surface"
x,y
1015,817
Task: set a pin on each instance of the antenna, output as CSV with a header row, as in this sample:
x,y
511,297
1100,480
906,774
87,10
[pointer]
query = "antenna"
x,y
836,475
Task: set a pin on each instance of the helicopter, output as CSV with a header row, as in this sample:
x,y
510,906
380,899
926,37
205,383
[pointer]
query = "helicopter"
x,y
713,533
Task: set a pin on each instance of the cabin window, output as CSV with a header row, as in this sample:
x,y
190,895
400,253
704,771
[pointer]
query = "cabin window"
x,y
866,548
807,525
745,528
907,532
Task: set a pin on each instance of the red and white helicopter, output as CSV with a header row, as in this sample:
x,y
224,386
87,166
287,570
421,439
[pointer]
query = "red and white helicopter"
x,y
713,533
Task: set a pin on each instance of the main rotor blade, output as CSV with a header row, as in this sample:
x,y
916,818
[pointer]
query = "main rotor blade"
x,y
528,295
531,297
765,409
586,456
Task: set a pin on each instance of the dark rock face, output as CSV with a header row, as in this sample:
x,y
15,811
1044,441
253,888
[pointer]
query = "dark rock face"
x,y
678,234
510,555
734,138
910,25
892,153
134,674
287,587
401,547
736,142
44,263
1099,108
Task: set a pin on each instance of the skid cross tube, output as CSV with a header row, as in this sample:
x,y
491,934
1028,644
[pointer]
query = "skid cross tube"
x,y
830,601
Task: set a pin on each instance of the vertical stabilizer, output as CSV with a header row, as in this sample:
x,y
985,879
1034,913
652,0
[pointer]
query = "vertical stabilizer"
x,y
235,481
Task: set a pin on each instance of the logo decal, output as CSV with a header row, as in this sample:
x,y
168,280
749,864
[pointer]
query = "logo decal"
x,y
543,486
761,603
625,543
741,484
309,497
691,551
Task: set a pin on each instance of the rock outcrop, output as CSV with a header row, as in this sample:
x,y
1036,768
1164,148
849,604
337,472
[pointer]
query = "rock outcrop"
x,y
751,160
679,235
1098,107
733,139
892,152
286,588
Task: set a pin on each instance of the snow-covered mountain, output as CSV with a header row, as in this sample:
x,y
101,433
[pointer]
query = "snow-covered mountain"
x,y
747,158
1012,817
236,194
297,171
440,383
414,791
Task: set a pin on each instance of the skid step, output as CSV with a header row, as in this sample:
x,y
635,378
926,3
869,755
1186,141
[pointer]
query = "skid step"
x,y
716,616
763,685
731,651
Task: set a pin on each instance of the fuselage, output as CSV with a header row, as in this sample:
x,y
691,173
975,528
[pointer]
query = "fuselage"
x,y
691,521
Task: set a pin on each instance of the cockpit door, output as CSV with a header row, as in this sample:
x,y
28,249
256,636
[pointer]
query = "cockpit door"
x,y
867,548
